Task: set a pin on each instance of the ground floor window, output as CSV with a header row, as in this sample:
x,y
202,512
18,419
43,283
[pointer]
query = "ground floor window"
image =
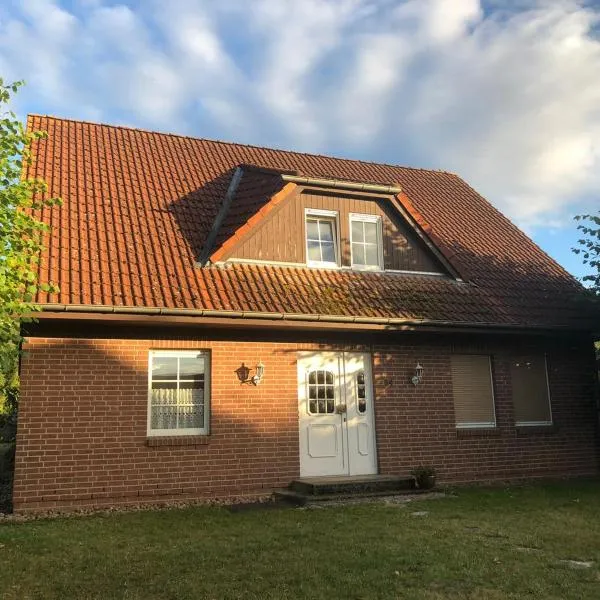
x,y
531,398
178,392
473,391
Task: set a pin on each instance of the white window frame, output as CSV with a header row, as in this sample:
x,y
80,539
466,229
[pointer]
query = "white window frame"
x,y
332,215
188,431
483,424
540,423
368,219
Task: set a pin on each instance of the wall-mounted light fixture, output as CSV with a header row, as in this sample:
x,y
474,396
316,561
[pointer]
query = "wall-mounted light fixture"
x,y
418,376
243,374
260,371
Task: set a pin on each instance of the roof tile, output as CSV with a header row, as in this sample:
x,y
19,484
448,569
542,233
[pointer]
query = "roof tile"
x,y
139,205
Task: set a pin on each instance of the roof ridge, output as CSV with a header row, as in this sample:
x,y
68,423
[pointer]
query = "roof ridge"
x,y
229,143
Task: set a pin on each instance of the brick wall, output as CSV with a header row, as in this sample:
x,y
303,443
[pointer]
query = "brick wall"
x,y
82,438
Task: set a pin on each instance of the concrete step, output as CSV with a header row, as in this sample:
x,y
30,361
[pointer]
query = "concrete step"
x,y
297,499
352,485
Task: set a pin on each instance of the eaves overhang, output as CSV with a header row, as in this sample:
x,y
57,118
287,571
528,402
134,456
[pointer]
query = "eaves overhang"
x,y
251,319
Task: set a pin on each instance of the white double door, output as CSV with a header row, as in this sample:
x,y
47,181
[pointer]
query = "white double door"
x,y
335,404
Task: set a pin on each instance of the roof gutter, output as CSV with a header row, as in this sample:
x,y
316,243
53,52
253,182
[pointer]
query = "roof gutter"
x,y
277,316
343,185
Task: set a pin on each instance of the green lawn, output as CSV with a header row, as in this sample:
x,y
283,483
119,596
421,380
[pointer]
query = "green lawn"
x,y
481,544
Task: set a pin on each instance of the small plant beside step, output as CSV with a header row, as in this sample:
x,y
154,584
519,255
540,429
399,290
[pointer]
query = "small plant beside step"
x,y
424,477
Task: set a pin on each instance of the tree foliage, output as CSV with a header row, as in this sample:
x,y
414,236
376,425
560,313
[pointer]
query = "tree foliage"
x,y
20,237
589,226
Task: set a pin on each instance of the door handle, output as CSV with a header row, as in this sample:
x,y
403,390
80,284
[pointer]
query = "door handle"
x,y
340,409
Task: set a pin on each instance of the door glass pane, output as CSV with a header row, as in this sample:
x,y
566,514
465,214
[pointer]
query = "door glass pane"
x,y
358,254
357,231
321,392
361,392
370,233
326,231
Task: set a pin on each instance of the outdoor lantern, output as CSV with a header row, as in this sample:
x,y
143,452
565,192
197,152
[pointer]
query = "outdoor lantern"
x,y
243,372
418,376
260,370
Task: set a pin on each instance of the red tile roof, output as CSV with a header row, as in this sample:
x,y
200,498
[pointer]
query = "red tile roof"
x,y
139,205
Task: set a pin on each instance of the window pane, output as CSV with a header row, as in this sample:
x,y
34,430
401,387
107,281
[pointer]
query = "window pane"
x,y
357,231
370,233
326,230
164,385
312,377
312,229
314,251
164,417
358,254
197,384
190,417
328,252
164,367
372,256
177,403
190,367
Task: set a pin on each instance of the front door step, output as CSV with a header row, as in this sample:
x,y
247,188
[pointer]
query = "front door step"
x,y
308,490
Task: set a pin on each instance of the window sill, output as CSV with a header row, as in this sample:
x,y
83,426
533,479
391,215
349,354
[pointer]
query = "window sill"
x,y
534,429
177,440
466,432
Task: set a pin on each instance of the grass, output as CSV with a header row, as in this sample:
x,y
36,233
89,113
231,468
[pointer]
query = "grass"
x,y
480,544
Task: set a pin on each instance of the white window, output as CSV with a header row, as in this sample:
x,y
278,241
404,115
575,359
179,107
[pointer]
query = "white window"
x,y
321,238
366,241
178,393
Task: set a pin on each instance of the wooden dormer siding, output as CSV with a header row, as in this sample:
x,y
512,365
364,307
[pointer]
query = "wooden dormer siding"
x,y
282,237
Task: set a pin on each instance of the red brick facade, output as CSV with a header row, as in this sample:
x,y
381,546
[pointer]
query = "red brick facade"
x,y
82,423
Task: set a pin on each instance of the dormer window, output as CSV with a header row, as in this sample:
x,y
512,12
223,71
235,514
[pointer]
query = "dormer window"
x,y
366,245
321,238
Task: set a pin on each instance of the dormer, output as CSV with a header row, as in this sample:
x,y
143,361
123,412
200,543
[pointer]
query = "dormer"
x,y
277,217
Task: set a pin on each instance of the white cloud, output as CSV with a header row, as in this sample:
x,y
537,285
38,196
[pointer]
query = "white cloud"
x,y
506,97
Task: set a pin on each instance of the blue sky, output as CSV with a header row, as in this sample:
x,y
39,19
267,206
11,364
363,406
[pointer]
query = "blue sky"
x,y
504,92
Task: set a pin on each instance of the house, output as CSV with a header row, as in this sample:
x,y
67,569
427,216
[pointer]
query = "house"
x,y
231,318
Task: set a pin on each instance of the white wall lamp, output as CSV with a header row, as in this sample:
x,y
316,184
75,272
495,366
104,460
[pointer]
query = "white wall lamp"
x,y
260,371
418,376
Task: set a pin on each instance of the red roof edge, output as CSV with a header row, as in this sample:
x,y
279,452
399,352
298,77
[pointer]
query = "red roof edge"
x,y
447,253
228,245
